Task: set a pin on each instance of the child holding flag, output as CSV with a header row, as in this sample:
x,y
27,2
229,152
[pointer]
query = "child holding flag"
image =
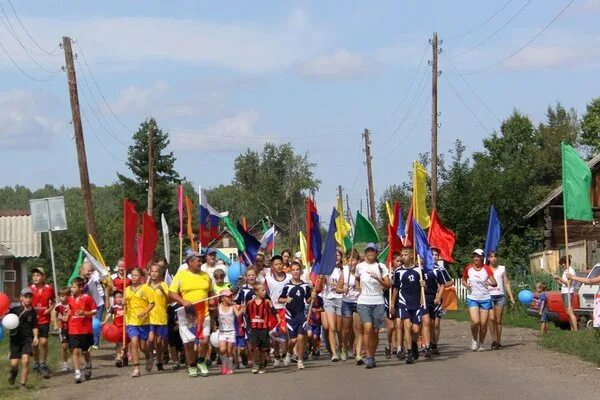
x,y
139,300
159,332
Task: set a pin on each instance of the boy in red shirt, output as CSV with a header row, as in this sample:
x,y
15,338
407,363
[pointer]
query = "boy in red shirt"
x,y
260,313
62,320
81,333
43,302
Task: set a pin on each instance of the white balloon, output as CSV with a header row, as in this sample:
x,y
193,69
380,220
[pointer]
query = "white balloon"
x,y
214,339
10,321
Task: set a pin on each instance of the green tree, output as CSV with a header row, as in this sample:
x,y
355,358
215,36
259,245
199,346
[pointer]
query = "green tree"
x,y
590,126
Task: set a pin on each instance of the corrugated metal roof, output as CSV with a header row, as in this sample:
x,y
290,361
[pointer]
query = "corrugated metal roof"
x,y
4,252
16,234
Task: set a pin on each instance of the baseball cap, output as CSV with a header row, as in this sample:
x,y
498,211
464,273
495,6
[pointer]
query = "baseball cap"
x,y
371,246
192,254
479,252
39,269
26,292
211,250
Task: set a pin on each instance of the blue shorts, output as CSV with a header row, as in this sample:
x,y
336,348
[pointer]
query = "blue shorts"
x,y
483,304
140,332
415,316
240,341
348,309
544,315
161,331
315,329
434,310
296,326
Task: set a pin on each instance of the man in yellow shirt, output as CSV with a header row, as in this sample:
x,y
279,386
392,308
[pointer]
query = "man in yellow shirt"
x,y
191,288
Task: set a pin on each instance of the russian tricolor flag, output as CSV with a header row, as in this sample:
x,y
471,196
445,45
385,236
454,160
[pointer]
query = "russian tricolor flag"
x,y
267,241
209,220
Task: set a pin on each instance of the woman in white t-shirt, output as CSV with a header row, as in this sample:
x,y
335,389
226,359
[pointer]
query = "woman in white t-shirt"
x,y
567,290
498,294
332,306
351,326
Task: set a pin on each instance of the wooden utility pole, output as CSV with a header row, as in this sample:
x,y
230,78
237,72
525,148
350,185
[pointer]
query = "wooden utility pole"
x,y
434,121
150,168
340,196
371,193
90,222
348,212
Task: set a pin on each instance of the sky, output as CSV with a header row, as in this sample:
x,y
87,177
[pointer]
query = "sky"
x,y
222,77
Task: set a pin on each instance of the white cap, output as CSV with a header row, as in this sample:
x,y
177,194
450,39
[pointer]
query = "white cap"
x,y
479,252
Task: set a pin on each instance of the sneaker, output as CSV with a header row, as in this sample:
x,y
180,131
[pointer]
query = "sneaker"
x,y
36,367
344,355
359,360
434,350
149,363
45,371
95,347
474,345
228,371
388,353
410,359
481,347
65,367
262,370
87,372
119,363
78,377
415,353
159,366
300,364
277,363
22,387
370,363
223,370
294,358
427,352
203,369
317,353
136,373
335,359
255,369
401,355
286,360
175,366
12,376
192,371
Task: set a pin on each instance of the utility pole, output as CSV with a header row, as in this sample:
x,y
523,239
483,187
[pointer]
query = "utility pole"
x,y
368,204
340,196
150,168
90,223
348,212
370,177
434,121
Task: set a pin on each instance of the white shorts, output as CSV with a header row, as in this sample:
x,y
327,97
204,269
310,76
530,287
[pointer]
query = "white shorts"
x,y
228,336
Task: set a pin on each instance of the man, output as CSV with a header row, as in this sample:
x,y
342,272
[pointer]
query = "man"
x,y
191,287
96,290
43,303
371,278
211,264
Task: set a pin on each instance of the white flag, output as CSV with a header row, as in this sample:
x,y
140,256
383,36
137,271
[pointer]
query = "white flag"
x,y
165,229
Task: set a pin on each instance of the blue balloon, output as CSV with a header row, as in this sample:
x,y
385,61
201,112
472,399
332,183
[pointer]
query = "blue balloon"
x,y
525,297
1,333
236,270
97,325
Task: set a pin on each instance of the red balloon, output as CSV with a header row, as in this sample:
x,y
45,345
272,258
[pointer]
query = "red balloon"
x,y
4,304
112,333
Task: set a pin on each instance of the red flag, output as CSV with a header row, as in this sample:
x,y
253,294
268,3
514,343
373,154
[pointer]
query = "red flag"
x,y
408,240
189,207
245,224
180,208
149,240
130,227
441,238
394,241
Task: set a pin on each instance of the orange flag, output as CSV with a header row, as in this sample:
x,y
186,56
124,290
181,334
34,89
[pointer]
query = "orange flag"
x,y
189,206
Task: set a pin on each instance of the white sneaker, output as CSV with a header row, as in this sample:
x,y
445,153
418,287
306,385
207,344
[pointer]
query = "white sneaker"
x,y
343,355
482,347
77,376
286,360
277,363
474,345
300,364
65,367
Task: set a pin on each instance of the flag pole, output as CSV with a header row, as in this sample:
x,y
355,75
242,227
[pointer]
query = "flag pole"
x,y
568,263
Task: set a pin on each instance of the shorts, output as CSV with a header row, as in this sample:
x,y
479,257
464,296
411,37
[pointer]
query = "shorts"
x,y
141,331
19,349
83,342
373,314
348,309
565,298
160,331
433,310
415,316
175,339
333,306
498,300
315,330
259,339
544,315
240,341
296,326
482,304
64,336
228,337
43,331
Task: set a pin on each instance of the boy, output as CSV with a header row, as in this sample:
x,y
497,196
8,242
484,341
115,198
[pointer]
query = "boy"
x,y
42,302
219,281
81,333
314,326
23,338
244,295
275,282
407,297
540,288
294,295
175,342
260,312
116,312
62,320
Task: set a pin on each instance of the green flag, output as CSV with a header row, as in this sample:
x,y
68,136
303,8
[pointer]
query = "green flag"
x,y
76,267
364,231
264,225
239,240
576,183
382,257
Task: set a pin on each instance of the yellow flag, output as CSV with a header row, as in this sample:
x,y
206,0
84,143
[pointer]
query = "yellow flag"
x,y
342,226
95,252
390,212
420,195
302,240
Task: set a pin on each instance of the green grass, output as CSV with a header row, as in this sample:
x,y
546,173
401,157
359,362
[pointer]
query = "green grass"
x,y
583,344
515,316
34,381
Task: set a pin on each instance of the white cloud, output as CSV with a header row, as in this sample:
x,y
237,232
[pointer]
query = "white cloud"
x,y
556,56
27,120
136,99
339,65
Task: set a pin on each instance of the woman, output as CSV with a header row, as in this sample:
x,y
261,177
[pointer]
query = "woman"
x,y
351,326
498,298
566,289
332,305
478,277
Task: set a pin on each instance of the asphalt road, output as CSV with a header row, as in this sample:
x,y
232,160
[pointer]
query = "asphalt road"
x,y
522,370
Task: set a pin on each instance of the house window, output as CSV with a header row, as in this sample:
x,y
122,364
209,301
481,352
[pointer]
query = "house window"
x,y
9,276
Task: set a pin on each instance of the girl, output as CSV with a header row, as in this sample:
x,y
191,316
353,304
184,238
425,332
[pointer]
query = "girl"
x,y
566,289
332,303
228,311
351,326
498,298
159,331
139,301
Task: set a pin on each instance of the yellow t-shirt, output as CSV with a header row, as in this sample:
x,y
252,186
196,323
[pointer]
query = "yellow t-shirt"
x,y
136,302
219,289
158,314
193,287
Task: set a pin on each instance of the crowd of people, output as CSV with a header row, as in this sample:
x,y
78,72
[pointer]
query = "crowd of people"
x,y
276,313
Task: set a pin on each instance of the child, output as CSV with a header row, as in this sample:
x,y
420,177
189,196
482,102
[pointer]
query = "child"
x,y
82,309
314,327
159,333
220,284
116,313
175,343
275,281
61,310
294,295
260,312
228,311
23,338
139,300
540,288
244,295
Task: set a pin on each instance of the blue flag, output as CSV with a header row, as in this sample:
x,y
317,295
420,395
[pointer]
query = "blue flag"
x,y
493,233
316,241
252,245
401,228
327,264
422,247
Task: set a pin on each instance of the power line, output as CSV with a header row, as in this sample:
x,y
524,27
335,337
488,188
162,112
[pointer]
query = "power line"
x,y
514,53
496,31
33,78
465,103
110,153
483,23
54,52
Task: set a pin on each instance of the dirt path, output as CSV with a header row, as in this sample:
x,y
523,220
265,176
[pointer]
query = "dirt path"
x,y
521,370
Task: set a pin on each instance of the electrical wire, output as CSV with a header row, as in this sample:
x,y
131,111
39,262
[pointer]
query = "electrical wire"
x,y
481,24
55,52
465,103
25,73
91,128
